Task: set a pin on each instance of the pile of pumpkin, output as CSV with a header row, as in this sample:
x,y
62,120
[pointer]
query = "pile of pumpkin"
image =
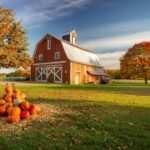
x,y
15,107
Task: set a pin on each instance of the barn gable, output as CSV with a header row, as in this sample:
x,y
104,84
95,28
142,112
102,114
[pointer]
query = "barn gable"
x,y
53,54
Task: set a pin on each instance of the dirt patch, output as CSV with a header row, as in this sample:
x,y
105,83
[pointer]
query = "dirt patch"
x,y
15,128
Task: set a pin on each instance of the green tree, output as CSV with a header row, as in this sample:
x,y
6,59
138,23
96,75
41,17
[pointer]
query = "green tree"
x,y
13,41
136,62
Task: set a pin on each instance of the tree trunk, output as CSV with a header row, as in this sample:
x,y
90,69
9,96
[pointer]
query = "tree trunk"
x,y
146,80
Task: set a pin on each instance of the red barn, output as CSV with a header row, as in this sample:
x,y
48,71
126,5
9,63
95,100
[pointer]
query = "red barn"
x,y
62,61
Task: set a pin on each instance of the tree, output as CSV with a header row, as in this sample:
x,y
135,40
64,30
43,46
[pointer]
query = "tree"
x,y
19,73
115,73
13,41
136,62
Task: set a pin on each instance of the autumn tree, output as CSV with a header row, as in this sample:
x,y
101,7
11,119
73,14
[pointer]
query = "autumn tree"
x,y
115,73
136,62
13,41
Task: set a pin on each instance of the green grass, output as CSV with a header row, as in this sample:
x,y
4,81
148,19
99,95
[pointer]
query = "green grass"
x,y
115,116
127,81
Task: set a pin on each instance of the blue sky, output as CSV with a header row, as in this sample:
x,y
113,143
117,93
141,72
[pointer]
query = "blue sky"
x,y
107,27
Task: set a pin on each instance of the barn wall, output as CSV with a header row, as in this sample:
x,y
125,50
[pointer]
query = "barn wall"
x,y
48,54
32,77
65,72
80,70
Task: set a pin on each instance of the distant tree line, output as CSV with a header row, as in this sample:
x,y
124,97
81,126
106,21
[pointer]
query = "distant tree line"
x,y
17,73
116,74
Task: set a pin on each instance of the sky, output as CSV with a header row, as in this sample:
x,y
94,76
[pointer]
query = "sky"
x,y
106,27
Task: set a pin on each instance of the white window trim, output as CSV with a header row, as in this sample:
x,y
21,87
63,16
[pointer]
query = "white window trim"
x,y
40,57
57,55
49,43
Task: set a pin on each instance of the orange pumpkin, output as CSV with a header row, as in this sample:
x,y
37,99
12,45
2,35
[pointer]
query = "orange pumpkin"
x,y
15,111
16,96
8,99
2,102
16,91
38,109
34,110
8,110
11,119
9,94
8,89
25,105
2,110
22,96
9,104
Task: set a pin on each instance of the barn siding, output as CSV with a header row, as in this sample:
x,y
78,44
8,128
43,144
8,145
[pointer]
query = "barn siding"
x,y
65,72
81,71
32,73
48,54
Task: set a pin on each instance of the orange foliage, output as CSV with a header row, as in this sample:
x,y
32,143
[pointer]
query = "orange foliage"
x,y
136,62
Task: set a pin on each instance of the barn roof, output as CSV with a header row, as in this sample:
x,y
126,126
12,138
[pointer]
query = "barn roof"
x,y
76,54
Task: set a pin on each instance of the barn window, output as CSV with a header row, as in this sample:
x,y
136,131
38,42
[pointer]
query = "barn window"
x,y
57,55
48,43
40,57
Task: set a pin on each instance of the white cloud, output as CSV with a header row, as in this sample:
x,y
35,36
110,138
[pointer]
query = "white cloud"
x,y
117,42
111,60
34,26
115,28
42,11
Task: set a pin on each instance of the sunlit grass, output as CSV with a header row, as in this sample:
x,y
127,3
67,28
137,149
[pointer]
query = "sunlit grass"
x,y
114,116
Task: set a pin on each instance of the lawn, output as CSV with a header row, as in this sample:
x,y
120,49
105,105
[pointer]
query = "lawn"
x,y
90,117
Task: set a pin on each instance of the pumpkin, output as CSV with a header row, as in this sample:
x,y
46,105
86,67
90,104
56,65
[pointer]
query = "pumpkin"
x,y
2,110
8,89
17,102
22,96
38,109
25,105
34,110
8,99
16,96
4,96
15,111
9,104
16,91
8,110
9,94
2,102
11,119
24,114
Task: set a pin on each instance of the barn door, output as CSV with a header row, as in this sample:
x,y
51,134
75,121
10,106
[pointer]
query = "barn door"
x,y
58,75
51,74
41,74
77,78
